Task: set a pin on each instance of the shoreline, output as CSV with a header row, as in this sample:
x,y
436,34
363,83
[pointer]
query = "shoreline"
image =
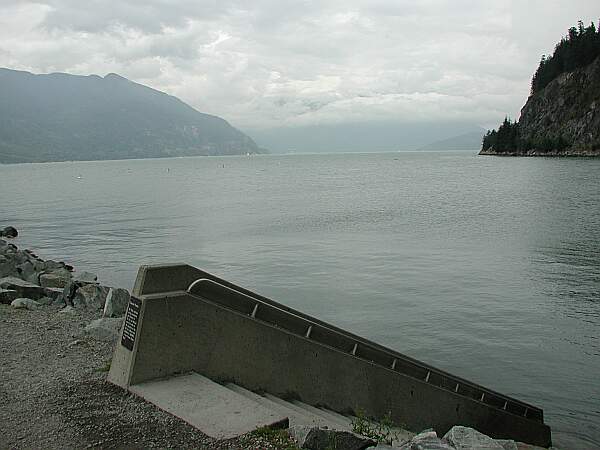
x,y
552,154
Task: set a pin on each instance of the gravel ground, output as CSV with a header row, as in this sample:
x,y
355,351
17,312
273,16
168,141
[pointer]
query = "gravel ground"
x,y
53,393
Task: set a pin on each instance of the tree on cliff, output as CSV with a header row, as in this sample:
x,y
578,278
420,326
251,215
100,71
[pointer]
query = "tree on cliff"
x,y
506,139
578,49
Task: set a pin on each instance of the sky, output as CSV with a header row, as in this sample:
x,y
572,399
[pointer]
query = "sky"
x,y
269,64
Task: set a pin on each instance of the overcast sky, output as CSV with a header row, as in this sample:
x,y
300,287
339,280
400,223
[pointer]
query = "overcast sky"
x,y
271,63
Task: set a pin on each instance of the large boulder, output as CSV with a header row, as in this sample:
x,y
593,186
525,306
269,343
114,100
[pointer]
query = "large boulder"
x,y
105,329
56,279
25,303
116,302
323,438
52,266
426,440
24,288
9,232
92,296
465,438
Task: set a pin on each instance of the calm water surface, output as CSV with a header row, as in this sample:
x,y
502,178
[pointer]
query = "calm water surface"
x,y
486,267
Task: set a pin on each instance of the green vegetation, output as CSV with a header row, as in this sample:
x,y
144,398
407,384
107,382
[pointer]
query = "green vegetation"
x,y
380,431
506,139
577,49
105,367
276,437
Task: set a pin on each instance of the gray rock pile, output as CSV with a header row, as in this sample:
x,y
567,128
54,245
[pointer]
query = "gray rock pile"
x,y
458,438
30,282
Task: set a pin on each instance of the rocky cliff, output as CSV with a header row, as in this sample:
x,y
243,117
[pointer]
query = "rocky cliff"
x,y
62,117
562,119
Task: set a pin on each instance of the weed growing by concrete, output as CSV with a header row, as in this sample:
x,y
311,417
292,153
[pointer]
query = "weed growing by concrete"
x,y
381,431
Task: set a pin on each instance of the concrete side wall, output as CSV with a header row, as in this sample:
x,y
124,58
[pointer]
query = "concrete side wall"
x,y
180,333
178,277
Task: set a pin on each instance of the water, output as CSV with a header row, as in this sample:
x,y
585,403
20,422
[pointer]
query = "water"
x,y
486,267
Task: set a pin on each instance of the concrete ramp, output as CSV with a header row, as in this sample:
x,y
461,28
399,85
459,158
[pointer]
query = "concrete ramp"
x,y
182,319
215,410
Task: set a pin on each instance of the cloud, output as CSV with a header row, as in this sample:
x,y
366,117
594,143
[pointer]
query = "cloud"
x,y
270,63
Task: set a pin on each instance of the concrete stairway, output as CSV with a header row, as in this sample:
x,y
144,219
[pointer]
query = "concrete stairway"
x,y
225,411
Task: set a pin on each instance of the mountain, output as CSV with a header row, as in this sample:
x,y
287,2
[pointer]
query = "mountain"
x,y
467,142
61,117
367,136
562,115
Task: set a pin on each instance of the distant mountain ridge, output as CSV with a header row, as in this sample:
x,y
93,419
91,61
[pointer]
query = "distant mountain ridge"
x,y
62,117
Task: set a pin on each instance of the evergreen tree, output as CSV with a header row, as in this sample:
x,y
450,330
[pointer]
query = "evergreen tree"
x,y
577,49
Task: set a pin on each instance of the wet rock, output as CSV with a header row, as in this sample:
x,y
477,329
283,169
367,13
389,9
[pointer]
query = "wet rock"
x,y
465,438
104,329
91,296
9,232
24,303
323,438
57,279
7,296
24,288
116,302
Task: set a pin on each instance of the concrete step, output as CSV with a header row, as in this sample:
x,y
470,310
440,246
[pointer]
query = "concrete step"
x,y
212,408
305,417
338,423
283,407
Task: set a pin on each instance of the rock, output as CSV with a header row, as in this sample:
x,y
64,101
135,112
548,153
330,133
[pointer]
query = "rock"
x,y
85,277
507,444
105,329
9,232
56,294
116,302
7,267
27,272
323,438
52,266
45,301
426,440
7,296
24,288
68,310
90,296
25,303
465,438
57,279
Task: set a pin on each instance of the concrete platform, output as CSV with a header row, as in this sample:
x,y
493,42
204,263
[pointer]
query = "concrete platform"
x,y
182,319
208,406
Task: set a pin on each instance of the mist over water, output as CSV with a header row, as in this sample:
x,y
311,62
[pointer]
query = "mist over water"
x,y
486,267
